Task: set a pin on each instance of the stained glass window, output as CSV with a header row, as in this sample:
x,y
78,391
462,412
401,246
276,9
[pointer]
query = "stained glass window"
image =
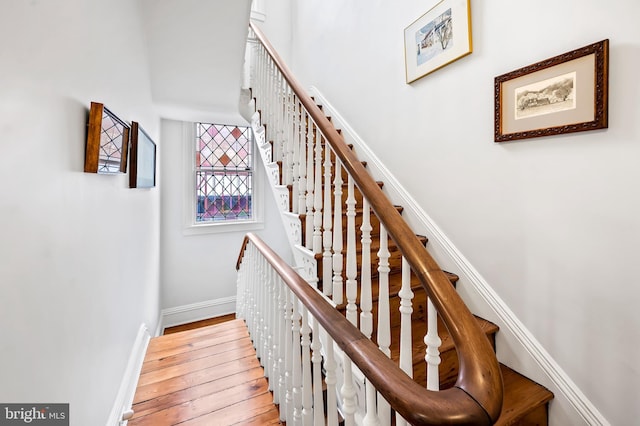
x,y
224,172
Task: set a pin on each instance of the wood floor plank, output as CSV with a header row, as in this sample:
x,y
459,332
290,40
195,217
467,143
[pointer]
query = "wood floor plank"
x,y
193,338
207,405
154,364
165,387
271,417
236,413
196,343
190,366
195,392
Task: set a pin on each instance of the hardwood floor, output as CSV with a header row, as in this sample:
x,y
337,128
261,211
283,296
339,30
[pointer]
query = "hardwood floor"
x,y
205,376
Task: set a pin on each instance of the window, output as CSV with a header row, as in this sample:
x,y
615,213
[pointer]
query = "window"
x,y
223,173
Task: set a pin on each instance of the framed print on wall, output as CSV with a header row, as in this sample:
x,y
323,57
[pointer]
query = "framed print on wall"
x,y
564,94
107,142
142,171
437,38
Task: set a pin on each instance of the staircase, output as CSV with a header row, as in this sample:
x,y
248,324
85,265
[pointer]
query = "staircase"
x,y
359,252
525,402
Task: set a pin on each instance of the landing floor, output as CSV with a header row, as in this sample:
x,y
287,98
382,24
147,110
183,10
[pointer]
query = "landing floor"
x,y
208,376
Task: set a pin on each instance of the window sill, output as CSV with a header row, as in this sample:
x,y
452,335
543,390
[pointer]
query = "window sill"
x,y
218,228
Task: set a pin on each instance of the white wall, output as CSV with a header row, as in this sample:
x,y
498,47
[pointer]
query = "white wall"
x,y
552,224
199,268
79,252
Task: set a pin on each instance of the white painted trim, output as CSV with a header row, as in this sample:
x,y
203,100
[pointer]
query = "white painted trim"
x,y
196,311
124,398
557,380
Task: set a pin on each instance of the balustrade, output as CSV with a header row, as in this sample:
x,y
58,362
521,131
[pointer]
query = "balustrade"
x,y
292,337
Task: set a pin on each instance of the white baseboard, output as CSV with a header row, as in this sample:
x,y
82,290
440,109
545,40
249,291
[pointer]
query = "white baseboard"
x,y
124,398
195,312
568,397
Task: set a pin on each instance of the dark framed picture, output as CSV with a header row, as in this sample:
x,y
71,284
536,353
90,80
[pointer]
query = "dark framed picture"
x,y
564,94
142,172
440,36
107,142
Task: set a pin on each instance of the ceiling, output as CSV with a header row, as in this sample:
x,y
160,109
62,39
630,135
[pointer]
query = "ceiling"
x,y
196,57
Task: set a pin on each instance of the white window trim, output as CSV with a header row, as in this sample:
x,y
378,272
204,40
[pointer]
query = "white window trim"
x,y
191,227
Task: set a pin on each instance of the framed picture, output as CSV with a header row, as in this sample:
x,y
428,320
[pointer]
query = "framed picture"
x,y
437,38
564,94
107,142
142,172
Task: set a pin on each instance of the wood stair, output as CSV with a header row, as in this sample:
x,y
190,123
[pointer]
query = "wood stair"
x,y
525,402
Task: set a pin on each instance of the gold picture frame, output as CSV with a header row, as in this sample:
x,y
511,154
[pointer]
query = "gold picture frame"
x,y
438,38
564,94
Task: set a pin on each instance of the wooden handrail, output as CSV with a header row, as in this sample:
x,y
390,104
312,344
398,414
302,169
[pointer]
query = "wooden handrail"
x,y
416,404
476,397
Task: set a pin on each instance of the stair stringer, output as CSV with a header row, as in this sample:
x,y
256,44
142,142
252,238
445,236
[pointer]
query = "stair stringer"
x,y
516,345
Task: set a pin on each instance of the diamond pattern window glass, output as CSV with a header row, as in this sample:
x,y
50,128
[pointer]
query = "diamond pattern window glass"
x,y
224,173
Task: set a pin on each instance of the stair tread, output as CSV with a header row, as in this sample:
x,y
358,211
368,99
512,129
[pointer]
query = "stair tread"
x,y
521,396
419,329
375,246
395,284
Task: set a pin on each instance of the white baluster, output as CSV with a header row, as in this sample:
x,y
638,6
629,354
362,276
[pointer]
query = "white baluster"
x,y
352,265
302,161
331,380
433,342
384,327
296,363
366,299
287,165
406,309
282,347
310,137
316,360
348,393
317,192
327,270
277,339
295,141
265,314
271,337
337,236
307,385
288,403
371,416
366,306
